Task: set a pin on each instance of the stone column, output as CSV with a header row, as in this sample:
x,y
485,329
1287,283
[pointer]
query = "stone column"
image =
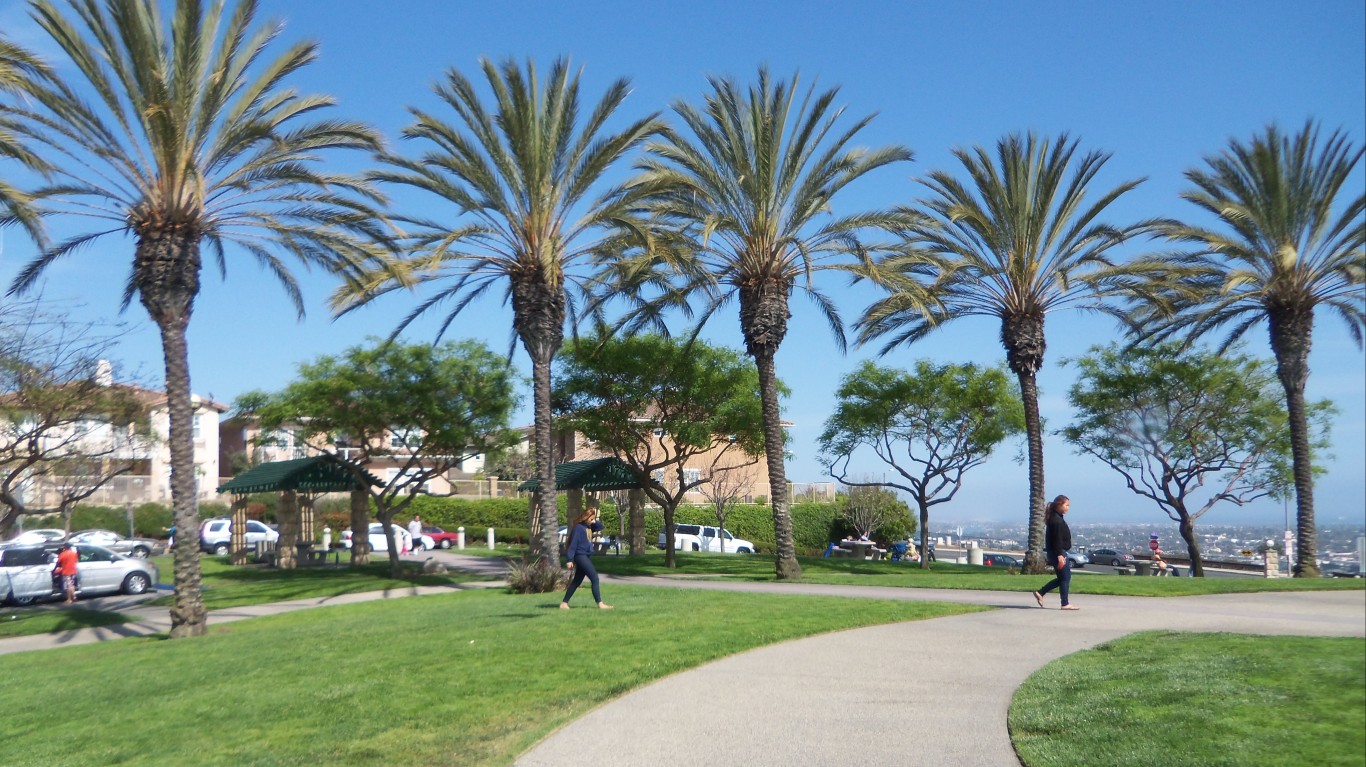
x,y
285,553
237,545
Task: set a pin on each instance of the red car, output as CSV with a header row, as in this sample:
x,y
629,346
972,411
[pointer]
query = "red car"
x,y
442,538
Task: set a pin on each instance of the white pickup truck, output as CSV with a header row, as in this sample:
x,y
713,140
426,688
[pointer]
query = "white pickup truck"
x,y
705,538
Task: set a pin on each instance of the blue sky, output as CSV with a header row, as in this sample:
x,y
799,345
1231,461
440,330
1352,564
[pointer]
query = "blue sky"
x,y
1159,84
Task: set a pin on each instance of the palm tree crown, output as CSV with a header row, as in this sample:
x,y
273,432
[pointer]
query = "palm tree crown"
x,y
1019,241
528,176
745,204
19,70
1282,250
190,139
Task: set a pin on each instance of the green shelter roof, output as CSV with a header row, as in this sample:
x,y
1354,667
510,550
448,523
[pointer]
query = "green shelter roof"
x,y
319,474
597,474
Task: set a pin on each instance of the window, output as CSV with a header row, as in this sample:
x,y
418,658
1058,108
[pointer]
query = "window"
x,y
692,475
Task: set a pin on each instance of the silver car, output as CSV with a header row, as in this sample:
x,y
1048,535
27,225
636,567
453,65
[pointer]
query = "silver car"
x,y
141,548
26,573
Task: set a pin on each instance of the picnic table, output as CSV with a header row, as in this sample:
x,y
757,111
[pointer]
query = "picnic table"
x,y
862,549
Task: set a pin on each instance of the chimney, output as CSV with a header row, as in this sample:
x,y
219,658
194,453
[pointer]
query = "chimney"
x,y
104,373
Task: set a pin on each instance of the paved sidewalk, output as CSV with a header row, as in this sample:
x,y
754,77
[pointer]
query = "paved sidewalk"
x,y
932,692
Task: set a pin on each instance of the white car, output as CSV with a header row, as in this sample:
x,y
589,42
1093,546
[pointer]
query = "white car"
x,y
215,535
707,538
377,540
26,573
40,536
141,548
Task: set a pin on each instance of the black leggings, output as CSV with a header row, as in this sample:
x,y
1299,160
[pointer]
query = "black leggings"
x,y
1062,582
583,567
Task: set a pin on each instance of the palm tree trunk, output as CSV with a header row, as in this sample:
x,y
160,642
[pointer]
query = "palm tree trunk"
x,y
546,545
188,617
785,557
1023,338
1290,340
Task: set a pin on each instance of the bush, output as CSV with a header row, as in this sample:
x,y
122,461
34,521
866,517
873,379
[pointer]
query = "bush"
x,y
536,576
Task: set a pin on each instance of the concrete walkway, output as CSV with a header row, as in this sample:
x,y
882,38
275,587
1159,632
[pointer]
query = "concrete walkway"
x,y
923,692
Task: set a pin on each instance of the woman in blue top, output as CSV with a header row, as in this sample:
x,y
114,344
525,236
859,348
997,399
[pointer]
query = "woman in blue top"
x,y
579,554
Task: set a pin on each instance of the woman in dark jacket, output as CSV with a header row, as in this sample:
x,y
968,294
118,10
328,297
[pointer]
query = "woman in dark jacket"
x,y
1057,542
579,555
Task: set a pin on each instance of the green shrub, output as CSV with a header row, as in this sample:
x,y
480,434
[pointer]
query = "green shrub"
x,y
536,576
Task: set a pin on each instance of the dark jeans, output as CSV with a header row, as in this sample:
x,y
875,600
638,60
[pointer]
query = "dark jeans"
x,y
1062,582
583,567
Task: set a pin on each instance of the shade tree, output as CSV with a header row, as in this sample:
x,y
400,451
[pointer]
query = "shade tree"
x,y
1187,429
419,409
929,426
678,413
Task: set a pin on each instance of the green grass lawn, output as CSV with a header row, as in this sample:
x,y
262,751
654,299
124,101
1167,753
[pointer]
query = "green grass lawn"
x,y
1167,699
23,621
229,586
466,678
943,575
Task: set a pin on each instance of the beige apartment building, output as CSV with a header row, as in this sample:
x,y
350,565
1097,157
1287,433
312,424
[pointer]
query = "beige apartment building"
x,y
150,455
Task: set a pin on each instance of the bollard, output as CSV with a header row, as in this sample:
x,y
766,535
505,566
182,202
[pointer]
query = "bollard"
x,y
490,538
974,554
460,538
327,539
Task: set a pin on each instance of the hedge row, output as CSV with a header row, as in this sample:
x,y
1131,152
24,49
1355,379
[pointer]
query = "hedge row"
x,y
813,524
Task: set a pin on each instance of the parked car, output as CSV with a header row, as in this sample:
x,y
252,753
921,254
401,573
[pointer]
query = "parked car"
x,y
39,537
141,548
26,573
377,540
1111,557
1078,559
1000,560
439,538
215,535
707,538
1342,570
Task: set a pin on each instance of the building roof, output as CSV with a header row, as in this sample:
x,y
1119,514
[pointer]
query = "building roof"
x,y
597,474
318,474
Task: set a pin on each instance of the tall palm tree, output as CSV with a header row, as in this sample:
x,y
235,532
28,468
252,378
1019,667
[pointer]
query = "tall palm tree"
x,y
748,197
1283,247
524,174
1017,242
19,70
186,140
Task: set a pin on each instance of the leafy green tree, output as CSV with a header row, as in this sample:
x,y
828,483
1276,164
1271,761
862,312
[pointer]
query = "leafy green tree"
x,y
876,512
1187,430
420,408
663,406
1290,238
1018,241
746,201
527,177
183,135
930,427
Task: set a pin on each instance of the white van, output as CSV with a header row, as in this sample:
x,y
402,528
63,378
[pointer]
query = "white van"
x,y
707,538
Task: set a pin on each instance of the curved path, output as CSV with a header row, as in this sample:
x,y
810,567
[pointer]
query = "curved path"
x,y
923,692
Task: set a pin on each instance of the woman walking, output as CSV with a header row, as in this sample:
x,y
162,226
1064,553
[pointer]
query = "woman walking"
x,y
1057,542
579,554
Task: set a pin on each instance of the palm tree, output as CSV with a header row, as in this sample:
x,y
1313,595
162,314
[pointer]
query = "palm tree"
x,y
184,141
1279,253
1018,242
748,199
19,69
523,174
